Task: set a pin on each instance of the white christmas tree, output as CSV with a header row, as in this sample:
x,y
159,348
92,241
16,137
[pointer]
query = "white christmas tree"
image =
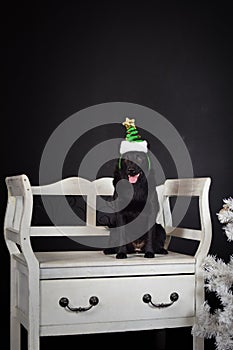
x,y
218,275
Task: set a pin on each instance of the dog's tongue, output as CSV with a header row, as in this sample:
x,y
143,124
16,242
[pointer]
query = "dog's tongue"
x,y
133,179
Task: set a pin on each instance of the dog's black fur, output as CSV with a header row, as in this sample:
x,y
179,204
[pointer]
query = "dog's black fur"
x,y
143,202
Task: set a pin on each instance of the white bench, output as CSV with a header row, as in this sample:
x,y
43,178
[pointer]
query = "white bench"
x,y
81,292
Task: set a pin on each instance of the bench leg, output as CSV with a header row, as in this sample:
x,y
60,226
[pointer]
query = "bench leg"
x,y
198,343
15,334
34,311
33,340
33,329
15,327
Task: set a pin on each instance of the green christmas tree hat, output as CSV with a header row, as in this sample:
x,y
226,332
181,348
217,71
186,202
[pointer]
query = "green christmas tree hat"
x,y
133,141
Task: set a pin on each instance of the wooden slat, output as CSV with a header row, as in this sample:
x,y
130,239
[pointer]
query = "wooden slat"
x,y
55,231
91,210
185,187
160,215
69,186
76,186
13,235
104,186
184,233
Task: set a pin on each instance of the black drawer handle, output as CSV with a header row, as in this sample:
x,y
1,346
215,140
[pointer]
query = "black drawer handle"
x,y
148,300
64,302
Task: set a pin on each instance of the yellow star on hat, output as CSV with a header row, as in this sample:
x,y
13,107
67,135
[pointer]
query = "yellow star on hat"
x,y
129,123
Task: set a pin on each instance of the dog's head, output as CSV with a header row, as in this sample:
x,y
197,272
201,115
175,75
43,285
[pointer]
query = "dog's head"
x,y
134,165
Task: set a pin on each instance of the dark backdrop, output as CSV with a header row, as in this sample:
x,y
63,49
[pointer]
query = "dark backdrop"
x,y
175,58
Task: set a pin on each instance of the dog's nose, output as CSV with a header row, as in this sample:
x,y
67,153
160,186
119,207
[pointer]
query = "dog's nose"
x,y
131,171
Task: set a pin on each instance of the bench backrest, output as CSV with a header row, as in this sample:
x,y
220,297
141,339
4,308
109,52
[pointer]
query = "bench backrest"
x,y
18,218
189,188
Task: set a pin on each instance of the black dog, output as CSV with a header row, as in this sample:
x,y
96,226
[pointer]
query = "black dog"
x,y
136,209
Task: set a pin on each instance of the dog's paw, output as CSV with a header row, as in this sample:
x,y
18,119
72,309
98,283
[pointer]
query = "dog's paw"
x,y
108,251
149,255
162,251
121,255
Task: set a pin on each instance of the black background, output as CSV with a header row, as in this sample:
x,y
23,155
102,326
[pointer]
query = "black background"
x,y
173,57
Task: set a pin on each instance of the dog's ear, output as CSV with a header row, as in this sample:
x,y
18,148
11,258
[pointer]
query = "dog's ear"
x,y
117,176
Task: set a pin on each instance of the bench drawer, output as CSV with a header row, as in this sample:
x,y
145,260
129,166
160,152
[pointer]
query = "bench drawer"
x,y
120,299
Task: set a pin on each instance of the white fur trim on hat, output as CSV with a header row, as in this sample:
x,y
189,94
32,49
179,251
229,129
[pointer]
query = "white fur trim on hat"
x,y
129,146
